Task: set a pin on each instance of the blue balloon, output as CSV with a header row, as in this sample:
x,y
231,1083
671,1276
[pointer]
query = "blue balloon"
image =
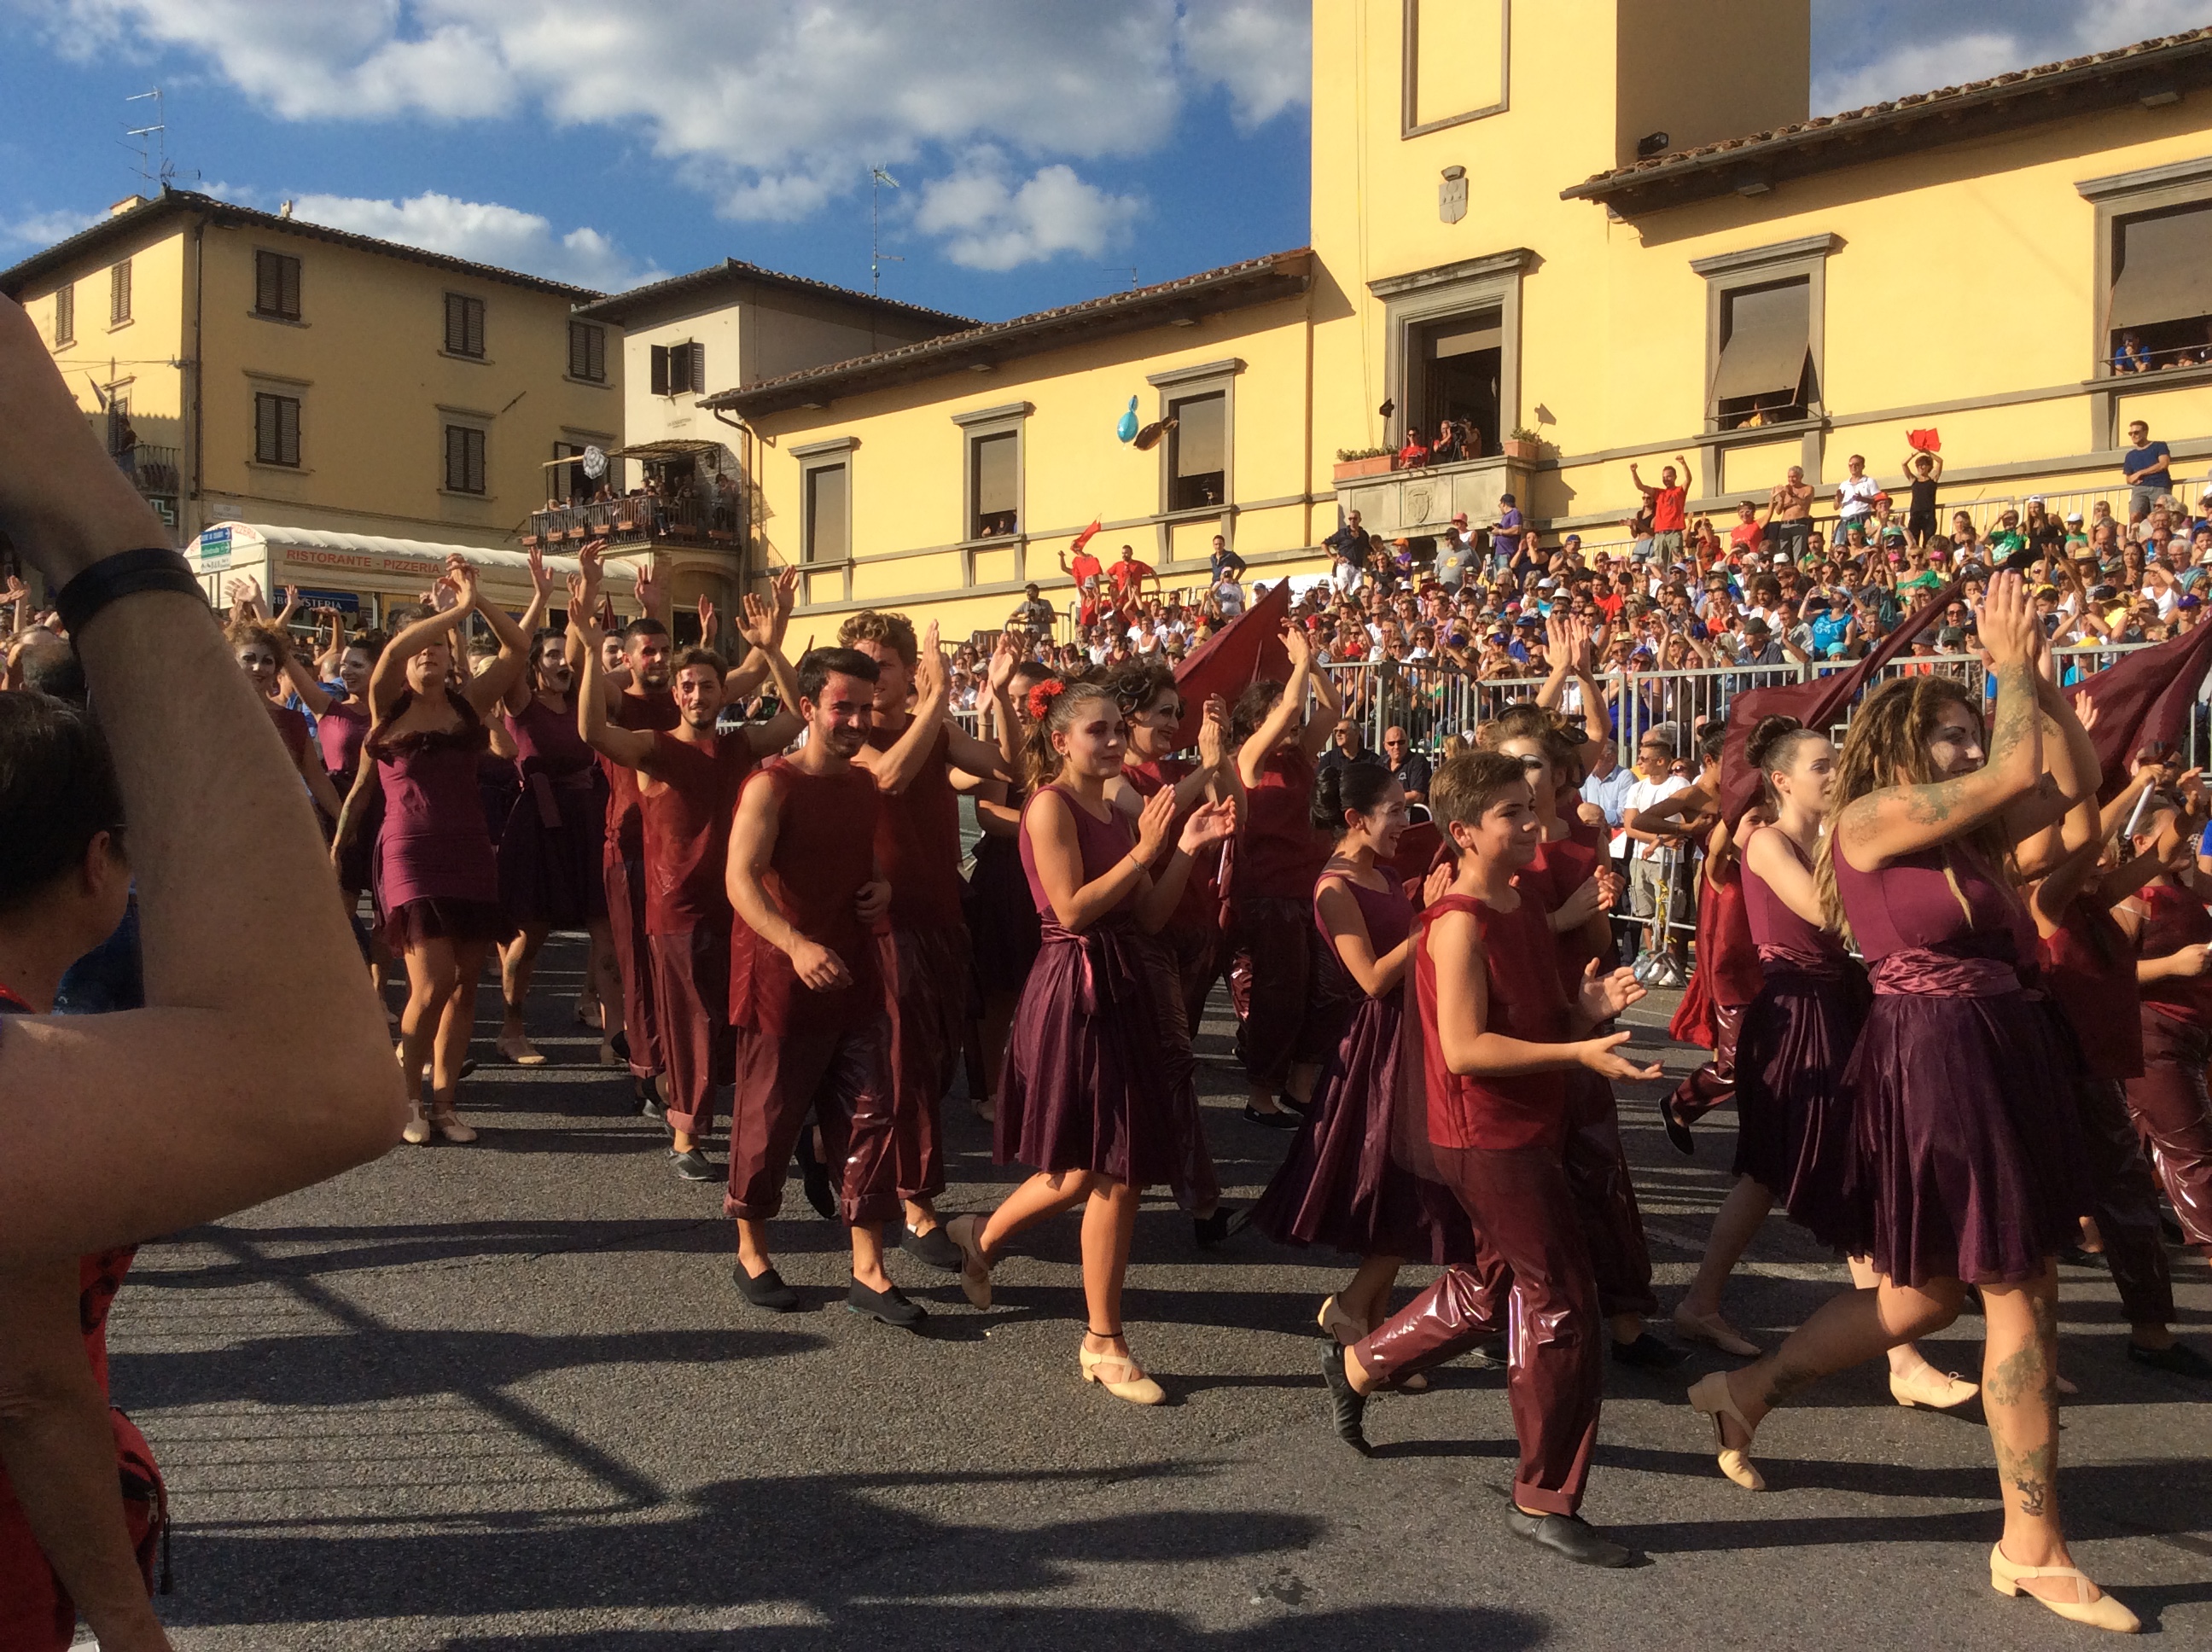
x,y
1128,427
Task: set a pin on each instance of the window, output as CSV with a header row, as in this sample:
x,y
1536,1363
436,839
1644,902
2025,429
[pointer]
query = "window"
x,y
119,294
1765,371
276,286
829,524
679,369
993,484
463,326
464,459
275,430
2161,288
587,352
65,315
1198,452
1455,67
1455,372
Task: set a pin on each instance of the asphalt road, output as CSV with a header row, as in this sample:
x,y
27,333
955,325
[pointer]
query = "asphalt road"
x,y
505,1399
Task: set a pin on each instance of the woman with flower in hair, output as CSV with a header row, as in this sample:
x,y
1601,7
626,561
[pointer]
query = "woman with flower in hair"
x,y
1084,1097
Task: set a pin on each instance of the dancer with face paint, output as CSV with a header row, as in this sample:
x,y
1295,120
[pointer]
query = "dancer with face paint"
x,y
261,650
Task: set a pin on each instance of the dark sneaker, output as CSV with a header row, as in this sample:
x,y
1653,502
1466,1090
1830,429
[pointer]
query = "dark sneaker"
x,y
1226,1222
814,1177
891,1307
692,1165
1347,1405
934,1248
1283,1119
765,1290
1570,1536
2180,1360
1648,1353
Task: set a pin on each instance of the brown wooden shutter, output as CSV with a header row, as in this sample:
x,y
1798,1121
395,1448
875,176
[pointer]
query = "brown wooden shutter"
x,y
660,370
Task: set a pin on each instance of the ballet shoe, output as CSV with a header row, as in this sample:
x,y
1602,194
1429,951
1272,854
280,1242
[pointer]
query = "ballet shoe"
x,y
418,1126
1347,1405
610,1056
1133,1385
588,1014
1715,1332
449,1125
1937,1390
1710,1395
2103,1612
1339,1326
519,1050
966,1232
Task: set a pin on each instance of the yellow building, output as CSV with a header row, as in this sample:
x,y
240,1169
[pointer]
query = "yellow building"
x,y
1608,225
250,367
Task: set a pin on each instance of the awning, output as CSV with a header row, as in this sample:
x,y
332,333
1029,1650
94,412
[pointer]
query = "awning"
x,y
668,449
1769,331
2166,269
334,554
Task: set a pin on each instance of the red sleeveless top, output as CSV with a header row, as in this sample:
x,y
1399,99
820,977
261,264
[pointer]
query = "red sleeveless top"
x,y
1520,969
686,828
918,838
825,849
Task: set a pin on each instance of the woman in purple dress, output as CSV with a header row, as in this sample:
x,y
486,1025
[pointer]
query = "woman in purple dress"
x,y
1085,1098
1340,1186
551,843
342,722
437,877
1968,1145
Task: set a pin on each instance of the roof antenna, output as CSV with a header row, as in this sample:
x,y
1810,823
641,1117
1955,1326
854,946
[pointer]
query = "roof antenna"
x,y
154,163
877,257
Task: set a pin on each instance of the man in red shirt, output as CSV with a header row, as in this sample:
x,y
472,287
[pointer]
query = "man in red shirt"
x,y
687,784
1668,504
1085,570
913,756
1747,537
1128,577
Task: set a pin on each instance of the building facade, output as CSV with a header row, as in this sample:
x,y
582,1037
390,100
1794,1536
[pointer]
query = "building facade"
x,y
1600,232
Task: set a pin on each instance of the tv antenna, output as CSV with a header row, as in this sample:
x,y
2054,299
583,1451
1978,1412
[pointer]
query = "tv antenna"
x,y
152,148
877,257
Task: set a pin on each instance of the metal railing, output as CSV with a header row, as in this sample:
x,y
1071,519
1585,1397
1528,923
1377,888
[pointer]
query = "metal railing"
x,y
632,518
153,471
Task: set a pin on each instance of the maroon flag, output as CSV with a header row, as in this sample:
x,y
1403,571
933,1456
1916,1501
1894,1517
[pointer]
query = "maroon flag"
x,y
2142,702
1816,704
1242,652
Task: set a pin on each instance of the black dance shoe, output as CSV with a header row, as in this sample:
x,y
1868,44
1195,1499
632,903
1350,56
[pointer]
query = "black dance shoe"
x,y
935,1248
1283,1119
1226,1222
1570,1536
692,1165
620,1044
765,1290
1347,1405
891,1307
1648,1353
1677,1132
2180,1360
814,1177
646,1096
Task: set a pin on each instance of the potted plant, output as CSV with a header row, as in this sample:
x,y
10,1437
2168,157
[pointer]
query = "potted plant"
x,y
1352,462
1522,444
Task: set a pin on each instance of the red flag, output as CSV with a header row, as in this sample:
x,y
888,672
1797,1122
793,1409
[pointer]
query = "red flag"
x,y
1924,441
1817,704
1242,652
2143,700
1084,537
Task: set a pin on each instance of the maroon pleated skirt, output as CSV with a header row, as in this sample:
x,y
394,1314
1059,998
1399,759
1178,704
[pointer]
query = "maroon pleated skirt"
x,y
445,917
1967,1158
1341,1186
551,872
1085,1085
1003,931
1794,1130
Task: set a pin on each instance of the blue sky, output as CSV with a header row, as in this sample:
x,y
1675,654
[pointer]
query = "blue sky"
x,y
1045,147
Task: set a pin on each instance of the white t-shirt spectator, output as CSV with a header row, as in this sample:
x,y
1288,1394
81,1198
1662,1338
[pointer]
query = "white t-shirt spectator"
x,y
1229,597
1641,796
1855,499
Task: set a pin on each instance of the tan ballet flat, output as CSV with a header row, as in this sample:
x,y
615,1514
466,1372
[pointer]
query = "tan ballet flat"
x,y
1937,1390
1710,1395
967,1232
1714,1332
587,1013
449,1125
609,1056
520,1051
1335,1322
1133,1386
2103,1612
418,1126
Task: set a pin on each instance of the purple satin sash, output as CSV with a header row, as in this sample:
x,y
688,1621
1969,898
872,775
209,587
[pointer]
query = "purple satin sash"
x,y
1110,965
1790,962
1924,972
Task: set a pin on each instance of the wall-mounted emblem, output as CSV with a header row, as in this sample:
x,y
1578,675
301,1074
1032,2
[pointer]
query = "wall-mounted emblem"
x,y
1451,195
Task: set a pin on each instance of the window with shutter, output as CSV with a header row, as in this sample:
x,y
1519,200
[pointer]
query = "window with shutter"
x,y
994,484
698,369
660,370
683,362
2161,289
464,325
276,286
119,294
275,430
587,352
464,459
827,517
1762,375
65,316
1198,464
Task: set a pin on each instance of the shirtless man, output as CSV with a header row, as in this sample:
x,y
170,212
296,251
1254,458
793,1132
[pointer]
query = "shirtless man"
x,y
1790,514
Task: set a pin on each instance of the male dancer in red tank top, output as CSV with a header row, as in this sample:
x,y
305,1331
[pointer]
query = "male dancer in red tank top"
x,y
805,992
1496,1032
913,756
687,782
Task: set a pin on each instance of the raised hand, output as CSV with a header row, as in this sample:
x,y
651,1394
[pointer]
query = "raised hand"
x,y
1298,643
786,586
541,581
1210,822
1154,824
705,609
933,673
1598,1054
757,623
649,592
1005,656
2010,630
1437,884
444,597
1213,733
579,607
1604,997
462,574
291,606
2085,711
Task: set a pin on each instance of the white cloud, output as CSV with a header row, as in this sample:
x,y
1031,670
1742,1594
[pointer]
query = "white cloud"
x,y
37,230
773,108
1924,57
988,220
482,231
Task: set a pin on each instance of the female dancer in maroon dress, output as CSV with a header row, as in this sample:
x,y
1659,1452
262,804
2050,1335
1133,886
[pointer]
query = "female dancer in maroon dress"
x,y
1284,1034
437,877
261,650
1340,1186
341,722
1003,932
1084,1098
1967,1148
553,841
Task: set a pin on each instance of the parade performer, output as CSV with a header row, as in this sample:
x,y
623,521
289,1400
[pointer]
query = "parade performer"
x,y
806,997
1003,929
1967,1150
1497,1033
1085,1100
260,650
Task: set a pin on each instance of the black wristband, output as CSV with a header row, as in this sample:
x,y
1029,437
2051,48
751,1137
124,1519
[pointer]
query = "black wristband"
x,y
125,574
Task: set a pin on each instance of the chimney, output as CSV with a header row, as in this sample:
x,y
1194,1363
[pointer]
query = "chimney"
x,y
125,205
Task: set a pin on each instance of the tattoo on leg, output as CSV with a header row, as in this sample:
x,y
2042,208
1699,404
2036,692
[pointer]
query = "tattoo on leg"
x,y
1788,1381
2031,1476
2023,1375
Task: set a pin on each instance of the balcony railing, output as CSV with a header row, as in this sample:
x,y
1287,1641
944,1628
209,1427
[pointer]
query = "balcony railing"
x,y
153,471
634,520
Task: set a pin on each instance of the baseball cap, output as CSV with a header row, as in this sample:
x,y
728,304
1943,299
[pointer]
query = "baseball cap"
x,y
2076,516
1951,636
2035,498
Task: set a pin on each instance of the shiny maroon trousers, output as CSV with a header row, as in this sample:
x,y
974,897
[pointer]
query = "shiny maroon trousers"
x,y
1604,1198
842,1075
1174,958
1533,1260
2173,1116
625,881
1715,1082
1281,1024
690,979
2126,1204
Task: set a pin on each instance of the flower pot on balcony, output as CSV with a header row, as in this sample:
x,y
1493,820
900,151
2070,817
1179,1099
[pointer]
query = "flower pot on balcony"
x,y
1351,469
1521,453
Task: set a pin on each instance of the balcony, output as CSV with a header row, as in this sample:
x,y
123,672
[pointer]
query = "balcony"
x,y
153,471
1411,504
639,519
